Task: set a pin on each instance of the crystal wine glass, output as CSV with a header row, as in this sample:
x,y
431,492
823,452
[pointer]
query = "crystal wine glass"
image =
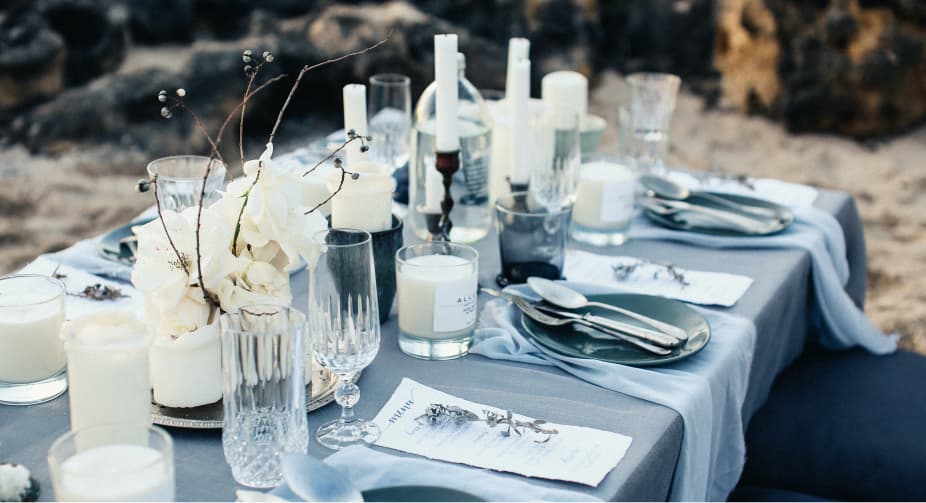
x,y
556,156
652,103
390,119
344,326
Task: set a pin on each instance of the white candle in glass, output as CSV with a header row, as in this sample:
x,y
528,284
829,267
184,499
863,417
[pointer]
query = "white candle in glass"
x,y
355,117
446,76
365,203
605,195
118,472
518,48
437,296
566,92
520,134
108,376
31,314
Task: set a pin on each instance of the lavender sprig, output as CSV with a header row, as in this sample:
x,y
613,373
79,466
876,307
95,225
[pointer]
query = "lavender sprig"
x,y
437,414
624,271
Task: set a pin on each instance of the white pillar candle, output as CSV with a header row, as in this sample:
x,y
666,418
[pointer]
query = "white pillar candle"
x,y
520,134
605,196
364,203
194,357
518,48
446,76
107,354
437,296
118,472
30,346
355,117
566,92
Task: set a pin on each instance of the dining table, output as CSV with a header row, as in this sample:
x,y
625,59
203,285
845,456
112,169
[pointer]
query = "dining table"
x,y
777,303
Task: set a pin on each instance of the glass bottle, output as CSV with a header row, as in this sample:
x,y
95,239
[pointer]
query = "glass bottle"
x,y
471,214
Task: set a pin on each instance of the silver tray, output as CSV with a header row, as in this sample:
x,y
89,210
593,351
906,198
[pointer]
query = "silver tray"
x,y
319,393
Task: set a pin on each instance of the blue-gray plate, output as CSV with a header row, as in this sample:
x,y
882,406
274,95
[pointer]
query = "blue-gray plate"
x,y
581,342
111,245
397,493
784,216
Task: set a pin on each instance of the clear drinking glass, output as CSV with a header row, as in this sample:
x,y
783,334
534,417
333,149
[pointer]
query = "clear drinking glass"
x,y
263,363
32,357
113,462
532,238
344,326
652,102
180,180
390,119
556,155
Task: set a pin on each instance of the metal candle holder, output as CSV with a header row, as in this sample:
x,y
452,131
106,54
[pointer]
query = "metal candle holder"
x,y
447,164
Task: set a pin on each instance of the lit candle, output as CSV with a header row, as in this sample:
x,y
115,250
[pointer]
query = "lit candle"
x,y
355,117
605,195
30,322
566,92
519,97
447,78
518,48
107,355
118,472
437,296
364,203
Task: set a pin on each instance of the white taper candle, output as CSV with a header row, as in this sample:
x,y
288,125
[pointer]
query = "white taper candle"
x,y
446,76
519,97
355,117
518,48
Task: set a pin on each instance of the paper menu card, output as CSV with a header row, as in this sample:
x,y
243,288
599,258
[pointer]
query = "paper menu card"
x,y
76,280
574,454
705,288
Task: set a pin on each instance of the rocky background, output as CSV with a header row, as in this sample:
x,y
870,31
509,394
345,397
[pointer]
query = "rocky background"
x,y
79,78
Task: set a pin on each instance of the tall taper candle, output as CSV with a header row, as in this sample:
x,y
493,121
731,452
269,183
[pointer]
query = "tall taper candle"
x,y
446,76
355,117
518,48
519,97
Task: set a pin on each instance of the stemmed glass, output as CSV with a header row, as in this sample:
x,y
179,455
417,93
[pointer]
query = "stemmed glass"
x,y
344,326
652,103
390,110
556,156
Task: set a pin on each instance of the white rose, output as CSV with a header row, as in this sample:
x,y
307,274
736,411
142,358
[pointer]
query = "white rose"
x,y
256,283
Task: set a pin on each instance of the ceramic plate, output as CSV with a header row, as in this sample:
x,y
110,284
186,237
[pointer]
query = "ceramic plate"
x,y
110,245
784,216
206,417
581,342
417,493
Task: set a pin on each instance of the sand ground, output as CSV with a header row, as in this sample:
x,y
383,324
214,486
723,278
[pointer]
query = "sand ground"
x,y
48,203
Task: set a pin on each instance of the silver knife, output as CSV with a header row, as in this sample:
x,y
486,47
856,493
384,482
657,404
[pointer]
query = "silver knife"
x,y
658,338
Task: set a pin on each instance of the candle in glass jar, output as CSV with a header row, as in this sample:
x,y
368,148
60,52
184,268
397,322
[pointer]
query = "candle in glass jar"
x,y
437,296
118,472
605,195
107,354
365,203
446,75
30,323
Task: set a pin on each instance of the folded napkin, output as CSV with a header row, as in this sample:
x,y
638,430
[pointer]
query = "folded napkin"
x,y
700,287
785,193
707,389
372,469
76,280
817,232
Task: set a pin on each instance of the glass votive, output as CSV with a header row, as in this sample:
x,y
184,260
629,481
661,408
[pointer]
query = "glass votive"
x,y
113,462
107,354
180,180
531,238
436,287
604,205
32,357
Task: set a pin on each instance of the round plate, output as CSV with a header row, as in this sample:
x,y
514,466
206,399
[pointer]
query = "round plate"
x,y
581,342
110,245
207,417
784,215
417,493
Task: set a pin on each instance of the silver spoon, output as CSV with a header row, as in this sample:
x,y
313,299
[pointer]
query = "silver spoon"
x,y
313,480
563,296
667,189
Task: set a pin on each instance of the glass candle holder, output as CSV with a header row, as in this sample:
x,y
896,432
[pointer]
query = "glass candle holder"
x,y
437,286
531,238
107,355
32,357
180,180
113,462
263,362
604,205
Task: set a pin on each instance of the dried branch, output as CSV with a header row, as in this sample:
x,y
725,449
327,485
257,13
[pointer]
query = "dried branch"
x,y
437,413
339,165
199,256
308,68
180,258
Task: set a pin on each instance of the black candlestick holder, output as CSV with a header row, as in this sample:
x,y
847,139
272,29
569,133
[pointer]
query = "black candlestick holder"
x,y
439,226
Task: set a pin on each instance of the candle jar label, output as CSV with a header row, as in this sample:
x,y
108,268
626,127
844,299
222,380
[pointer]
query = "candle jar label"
x,y
455,305
616,202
